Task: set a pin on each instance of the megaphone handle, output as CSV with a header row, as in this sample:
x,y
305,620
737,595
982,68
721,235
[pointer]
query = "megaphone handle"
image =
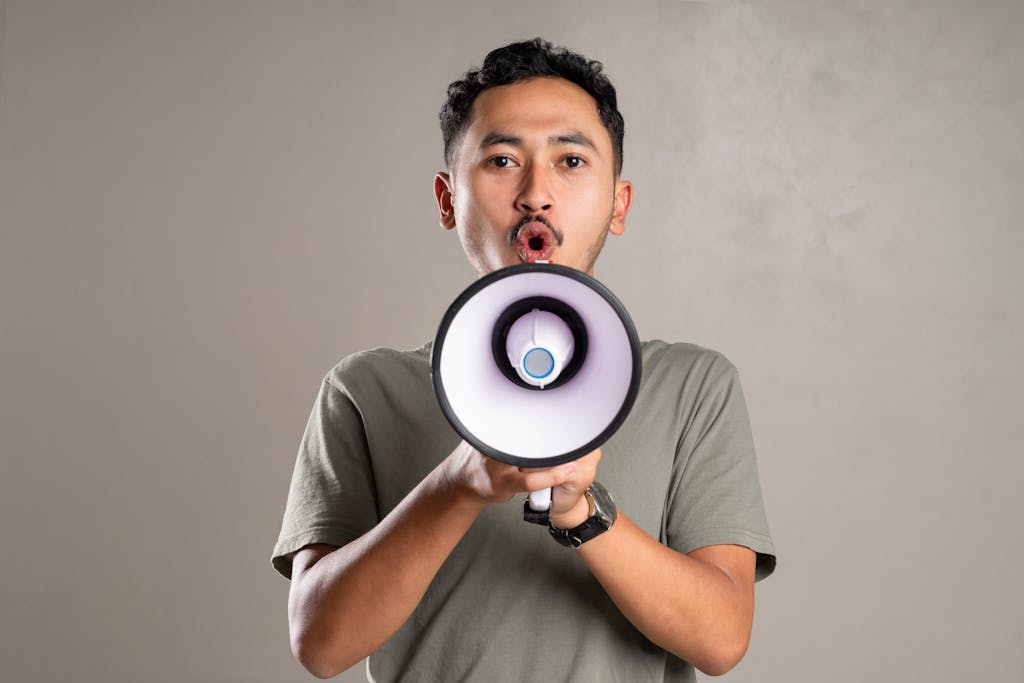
x,y
540,501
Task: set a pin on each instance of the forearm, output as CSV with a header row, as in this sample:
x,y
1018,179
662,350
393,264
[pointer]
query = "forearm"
x,y
353,599
690,607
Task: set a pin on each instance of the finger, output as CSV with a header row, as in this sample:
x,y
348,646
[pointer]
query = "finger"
x,y
535,480
591,458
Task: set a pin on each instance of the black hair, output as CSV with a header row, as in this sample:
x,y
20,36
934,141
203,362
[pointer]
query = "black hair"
x,y
522,61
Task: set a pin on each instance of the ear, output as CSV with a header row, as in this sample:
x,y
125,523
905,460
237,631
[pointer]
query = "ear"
x,y
620,207
445,204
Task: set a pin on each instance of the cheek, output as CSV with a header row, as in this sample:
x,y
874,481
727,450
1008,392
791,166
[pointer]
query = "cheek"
x,y
595,201
494,196
482,200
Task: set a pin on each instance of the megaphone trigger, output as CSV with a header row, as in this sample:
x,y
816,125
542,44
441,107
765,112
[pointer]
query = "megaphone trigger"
x,y
540,501
537,506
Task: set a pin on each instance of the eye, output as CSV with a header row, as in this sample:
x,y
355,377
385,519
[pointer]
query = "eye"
x,y
501,161
573,161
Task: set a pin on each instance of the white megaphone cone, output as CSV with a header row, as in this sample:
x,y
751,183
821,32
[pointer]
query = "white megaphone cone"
x,y
536,365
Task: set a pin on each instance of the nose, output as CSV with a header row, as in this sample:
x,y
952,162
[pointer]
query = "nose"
x,y
534,194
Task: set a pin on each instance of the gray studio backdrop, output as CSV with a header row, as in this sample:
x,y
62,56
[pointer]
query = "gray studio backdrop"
x,y
205,205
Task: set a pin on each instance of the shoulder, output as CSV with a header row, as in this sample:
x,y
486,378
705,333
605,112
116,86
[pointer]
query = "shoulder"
x,y
685,362
380,366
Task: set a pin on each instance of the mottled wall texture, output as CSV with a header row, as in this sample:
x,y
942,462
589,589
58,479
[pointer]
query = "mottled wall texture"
x,y
205,205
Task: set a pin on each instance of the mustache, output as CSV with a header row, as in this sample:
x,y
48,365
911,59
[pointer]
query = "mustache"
x,y
513,234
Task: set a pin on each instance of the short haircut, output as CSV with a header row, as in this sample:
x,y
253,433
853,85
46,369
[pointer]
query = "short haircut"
x,y
523,61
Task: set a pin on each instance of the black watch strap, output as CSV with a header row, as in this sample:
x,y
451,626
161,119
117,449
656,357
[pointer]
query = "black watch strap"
x,y
577,536
603,514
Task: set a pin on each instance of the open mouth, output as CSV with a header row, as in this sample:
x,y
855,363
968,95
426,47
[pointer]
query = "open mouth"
x,y
536,242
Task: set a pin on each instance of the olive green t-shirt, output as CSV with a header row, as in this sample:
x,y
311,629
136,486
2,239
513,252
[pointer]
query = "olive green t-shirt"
x,y
510,604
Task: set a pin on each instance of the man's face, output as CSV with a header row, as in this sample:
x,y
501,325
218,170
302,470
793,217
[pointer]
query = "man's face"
x,y
533,179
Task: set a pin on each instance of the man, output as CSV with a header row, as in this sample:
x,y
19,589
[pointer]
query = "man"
x,y
408,546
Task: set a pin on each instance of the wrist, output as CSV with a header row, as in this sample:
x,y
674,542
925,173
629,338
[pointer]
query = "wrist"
x,y
572,518
456,490
601,515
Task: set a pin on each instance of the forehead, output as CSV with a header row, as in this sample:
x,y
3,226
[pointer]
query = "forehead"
x,y
538,106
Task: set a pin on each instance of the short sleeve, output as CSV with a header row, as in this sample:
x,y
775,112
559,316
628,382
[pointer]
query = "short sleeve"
x,y
715,496
331,497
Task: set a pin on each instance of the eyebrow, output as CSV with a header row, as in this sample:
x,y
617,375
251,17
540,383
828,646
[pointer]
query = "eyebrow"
x,y
573,138
569,138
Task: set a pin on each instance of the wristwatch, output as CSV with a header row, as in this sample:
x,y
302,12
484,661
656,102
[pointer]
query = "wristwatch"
x,y
603,514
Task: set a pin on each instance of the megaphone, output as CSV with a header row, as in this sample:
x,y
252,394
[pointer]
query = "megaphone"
x,y
536,365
